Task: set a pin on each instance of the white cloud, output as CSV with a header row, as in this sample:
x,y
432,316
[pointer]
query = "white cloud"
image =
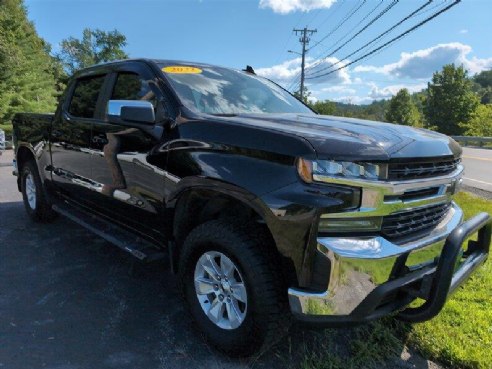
x,y
288,6
285,73
353,99
281,73
387,92
422,63
313,98
463,31
340,89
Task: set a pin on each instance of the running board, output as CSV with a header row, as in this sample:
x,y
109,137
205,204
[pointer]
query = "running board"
x,y
124,239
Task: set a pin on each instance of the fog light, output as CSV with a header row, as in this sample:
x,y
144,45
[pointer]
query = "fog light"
x,y
344,225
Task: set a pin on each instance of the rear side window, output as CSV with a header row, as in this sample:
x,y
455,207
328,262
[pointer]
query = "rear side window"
x,y
85,95
131,86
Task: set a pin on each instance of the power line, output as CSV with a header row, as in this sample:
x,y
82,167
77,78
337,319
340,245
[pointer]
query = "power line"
x,y
293,82
347,17
290,36
314,17
362,20
432,7
420,24
372,21
354,10
418,12
375,39
332,13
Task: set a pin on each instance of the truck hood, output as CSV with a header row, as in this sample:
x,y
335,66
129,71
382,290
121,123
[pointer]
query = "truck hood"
x,y
355,139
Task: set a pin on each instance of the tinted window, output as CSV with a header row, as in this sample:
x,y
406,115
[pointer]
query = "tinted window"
x,y
85,96
215,90
130,86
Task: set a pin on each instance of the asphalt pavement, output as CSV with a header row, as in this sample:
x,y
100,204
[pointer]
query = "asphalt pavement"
x,y
70,300
478,168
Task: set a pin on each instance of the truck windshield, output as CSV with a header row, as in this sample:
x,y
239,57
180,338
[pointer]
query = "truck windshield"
x,y
222,91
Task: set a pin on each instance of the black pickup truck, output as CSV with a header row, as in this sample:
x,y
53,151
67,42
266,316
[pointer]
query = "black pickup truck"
x,y
266,210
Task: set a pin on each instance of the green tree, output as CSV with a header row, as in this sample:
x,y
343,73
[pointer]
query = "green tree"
x,y
450,100
324,107
305,98
57,70
483,86
26,82
96,46
481,122
402,110
484,78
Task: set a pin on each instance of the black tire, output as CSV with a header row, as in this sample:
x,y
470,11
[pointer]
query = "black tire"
x,y
267,317
40,210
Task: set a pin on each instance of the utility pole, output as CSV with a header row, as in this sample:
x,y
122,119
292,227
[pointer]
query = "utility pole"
x,y
304,40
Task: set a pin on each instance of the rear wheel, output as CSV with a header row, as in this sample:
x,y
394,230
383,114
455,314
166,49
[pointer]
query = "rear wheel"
x,y
233,287
33,194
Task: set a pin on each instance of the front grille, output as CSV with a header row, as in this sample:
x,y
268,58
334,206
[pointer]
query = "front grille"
x,y
409,222
415,170
413,194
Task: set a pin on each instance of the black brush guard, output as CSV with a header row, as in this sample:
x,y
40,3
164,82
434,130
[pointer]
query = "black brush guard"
x,y
446,277
433,283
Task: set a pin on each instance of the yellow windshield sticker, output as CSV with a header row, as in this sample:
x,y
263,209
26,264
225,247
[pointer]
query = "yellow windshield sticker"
x,y
181,69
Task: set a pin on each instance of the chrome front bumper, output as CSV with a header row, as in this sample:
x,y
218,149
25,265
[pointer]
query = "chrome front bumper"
x,y
363,283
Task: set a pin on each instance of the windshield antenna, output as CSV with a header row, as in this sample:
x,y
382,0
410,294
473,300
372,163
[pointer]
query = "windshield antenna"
x,y
249,69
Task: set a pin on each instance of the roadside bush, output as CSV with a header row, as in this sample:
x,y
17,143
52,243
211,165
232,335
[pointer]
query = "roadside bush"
x,y
481,122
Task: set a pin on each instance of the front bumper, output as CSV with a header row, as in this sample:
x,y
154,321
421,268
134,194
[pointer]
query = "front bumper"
x,y
372,277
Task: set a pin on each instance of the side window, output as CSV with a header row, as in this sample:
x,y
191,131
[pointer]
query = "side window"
x,y
85,95
131,86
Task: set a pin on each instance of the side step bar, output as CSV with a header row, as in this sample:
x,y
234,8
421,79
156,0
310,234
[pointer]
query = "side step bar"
x,y
124,239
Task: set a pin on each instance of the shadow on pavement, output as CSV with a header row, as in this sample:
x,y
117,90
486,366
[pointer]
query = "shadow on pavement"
x,y
68,300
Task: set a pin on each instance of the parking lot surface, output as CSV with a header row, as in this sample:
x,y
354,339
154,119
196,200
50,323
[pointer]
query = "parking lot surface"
x,y
69,300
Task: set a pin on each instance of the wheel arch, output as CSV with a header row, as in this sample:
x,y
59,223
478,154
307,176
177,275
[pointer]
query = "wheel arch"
x,y
197,204
23,155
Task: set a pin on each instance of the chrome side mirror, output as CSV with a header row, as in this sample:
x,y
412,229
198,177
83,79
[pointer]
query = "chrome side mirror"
x,y
137,111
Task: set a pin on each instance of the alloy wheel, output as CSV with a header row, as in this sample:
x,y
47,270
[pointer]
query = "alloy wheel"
x,y
221,290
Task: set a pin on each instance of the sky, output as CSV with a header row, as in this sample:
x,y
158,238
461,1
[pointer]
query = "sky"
x,y
236,33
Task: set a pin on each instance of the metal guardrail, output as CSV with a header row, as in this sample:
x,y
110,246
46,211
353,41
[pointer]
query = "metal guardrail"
x,y
475,139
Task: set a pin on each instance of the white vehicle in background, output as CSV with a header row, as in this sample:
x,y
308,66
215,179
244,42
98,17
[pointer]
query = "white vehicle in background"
x,y
2,141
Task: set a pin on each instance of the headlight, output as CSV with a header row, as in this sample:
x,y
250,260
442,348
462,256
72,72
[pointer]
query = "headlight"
x,y
314,170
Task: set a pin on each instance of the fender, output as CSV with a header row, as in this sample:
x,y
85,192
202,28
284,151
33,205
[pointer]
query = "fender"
x,y
290,222
26,149
237,193
181,224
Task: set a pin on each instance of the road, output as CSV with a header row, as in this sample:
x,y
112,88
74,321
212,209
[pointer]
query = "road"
x,y
69,301
478,168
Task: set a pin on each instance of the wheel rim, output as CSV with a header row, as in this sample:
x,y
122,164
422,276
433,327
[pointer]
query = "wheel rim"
x,y
31,191
221,290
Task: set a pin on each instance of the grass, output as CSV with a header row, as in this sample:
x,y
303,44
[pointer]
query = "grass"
x,y
363,347
459,337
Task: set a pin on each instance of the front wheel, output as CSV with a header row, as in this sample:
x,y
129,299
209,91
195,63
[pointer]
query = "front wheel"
x,y
233,287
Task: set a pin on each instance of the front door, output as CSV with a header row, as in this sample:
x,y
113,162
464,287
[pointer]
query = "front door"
x,y
132,189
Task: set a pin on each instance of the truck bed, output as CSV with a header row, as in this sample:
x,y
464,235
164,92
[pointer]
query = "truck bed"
x,y
31,127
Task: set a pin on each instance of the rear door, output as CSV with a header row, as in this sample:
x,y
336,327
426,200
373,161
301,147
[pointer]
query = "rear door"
x,y
132,188
71,137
